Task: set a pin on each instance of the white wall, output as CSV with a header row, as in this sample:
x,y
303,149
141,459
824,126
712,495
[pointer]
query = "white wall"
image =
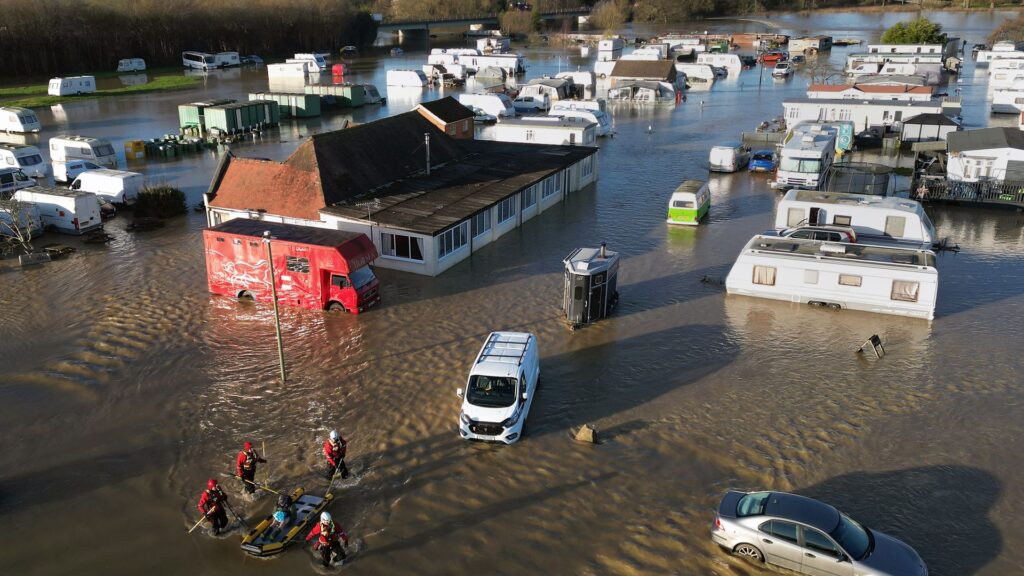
x,y
973,165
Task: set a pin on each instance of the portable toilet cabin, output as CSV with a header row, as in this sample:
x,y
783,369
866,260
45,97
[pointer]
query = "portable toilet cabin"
x,y
591,280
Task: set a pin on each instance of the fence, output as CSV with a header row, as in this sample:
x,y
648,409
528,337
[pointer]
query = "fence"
x,y
995,192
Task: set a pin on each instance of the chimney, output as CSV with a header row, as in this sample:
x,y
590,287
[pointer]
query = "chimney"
x,y
604,253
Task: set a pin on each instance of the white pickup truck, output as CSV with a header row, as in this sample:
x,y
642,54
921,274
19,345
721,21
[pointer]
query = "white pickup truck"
x,y
500,389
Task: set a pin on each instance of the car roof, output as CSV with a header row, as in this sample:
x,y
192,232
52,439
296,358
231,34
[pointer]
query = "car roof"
x,y
802,509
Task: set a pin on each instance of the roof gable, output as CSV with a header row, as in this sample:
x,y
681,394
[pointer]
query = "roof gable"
x,y
266,186
985,139
447,110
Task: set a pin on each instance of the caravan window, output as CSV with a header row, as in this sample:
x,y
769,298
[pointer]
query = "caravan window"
x,y
764,275
682,204
849,280
795,216
296,264
842,220
810,276
905,291
104,150
895,225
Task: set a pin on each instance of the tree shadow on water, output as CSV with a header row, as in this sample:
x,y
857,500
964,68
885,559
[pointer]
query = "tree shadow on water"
x,y
940,511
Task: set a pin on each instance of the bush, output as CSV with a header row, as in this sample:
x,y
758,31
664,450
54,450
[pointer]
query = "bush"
x,y
519,22
607,15
919,31
160,202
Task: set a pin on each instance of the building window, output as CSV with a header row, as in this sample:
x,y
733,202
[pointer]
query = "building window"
x,y
506,209
547,187
558,182
849,280
296,264
399,246
465,125
529,197
905,291
842,220
452,239
764,275
481,223
450,128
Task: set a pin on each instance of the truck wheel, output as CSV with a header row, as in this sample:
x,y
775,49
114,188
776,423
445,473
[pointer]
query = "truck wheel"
x,y
246,296
336,307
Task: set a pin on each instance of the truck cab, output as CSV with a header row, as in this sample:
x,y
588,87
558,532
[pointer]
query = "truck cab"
x,y
355,291
500,388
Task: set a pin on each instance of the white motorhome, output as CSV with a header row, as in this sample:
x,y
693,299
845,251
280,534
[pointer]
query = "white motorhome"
x,y
69,211
131,65
22,215
13,179
730,62
561,131
14,119
1008,101
71,86
881,218
98,150
226,59
23,156
499,105
406,78
806,155
881,279
315,63
198,60
114,186
702,73
500,388
592,111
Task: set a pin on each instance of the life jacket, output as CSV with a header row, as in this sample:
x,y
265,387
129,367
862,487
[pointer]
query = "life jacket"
x,y
213,498
326,535
250,459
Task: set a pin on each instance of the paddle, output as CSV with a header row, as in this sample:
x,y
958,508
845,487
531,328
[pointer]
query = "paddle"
x,y
235,514
196,525
262,486
330,485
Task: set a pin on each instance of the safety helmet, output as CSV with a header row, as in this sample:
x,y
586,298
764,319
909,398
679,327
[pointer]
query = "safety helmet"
x,y
325,517
334,434
211,484
247,446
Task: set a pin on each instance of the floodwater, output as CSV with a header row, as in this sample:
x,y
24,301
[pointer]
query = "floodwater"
x,y
125,385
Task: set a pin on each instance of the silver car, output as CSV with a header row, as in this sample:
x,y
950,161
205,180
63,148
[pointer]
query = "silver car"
x,y
809,537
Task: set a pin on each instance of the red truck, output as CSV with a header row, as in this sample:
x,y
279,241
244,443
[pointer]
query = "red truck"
x,y
315,268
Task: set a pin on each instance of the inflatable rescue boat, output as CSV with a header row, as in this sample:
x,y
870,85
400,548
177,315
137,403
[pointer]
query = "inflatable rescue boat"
x,y
271,536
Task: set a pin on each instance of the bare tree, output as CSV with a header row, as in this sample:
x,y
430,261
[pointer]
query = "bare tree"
x,y
17,222
821,72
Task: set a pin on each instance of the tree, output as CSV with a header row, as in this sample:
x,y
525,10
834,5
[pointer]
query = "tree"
x,y
17,220
919,31
1012,30
607,15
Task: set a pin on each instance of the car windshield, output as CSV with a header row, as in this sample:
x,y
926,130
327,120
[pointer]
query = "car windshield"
x,y
765,157
853,537
803,165
491,391
361,277
752,504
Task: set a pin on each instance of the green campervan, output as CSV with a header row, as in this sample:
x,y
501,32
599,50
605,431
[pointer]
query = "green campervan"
x,y
690,202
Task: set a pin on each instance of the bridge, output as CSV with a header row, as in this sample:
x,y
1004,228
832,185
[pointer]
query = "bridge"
x,y
426,25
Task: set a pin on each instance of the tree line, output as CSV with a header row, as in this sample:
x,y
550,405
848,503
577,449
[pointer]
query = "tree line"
x,y
54,37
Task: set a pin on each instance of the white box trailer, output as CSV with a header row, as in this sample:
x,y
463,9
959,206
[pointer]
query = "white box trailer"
x,y
24,156
730,62
884,218
114,186
881,279
131,65
15,119
68,211
289,70
71,86
97,150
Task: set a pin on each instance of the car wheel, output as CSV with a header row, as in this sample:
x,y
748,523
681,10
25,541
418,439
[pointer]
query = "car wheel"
x,y
750,552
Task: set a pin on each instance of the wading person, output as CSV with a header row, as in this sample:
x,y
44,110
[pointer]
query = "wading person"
x,y
245,466
329,538
335,448
212,504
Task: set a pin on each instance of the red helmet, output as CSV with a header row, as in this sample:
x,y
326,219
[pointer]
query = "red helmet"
x,y
247,446
211,484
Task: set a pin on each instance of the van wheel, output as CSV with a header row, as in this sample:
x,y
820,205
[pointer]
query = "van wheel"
x,y
336,307
246,296
749,552
835,306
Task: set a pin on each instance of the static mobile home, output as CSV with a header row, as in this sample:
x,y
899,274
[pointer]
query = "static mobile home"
x,y
565,131
863,113
872,217
880,279
730,62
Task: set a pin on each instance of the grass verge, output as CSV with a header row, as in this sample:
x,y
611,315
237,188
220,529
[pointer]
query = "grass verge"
x,y
34,96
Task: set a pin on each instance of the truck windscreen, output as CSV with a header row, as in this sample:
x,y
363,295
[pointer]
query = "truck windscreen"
x,y
361,277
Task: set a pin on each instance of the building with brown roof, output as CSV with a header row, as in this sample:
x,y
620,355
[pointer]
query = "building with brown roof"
x,y
871,92
626,71
449,116
374,178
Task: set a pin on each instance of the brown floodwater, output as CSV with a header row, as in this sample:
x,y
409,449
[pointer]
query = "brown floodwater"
x,y
125,385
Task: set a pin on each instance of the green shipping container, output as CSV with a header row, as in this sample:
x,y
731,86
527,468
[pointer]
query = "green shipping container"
x,y
221,118
189,115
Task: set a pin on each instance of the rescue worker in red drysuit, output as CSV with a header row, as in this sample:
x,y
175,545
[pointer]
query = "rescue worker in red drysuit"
x,y
335,448
212,504
329,539
245,466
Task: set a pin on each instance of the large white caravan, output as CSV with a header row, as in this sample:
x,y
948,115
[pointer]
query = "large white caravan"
x,y
14,119
71,86
881,279
315,63
25,157
498,105
591,110
930,72
884,218
98,150
730,62
226,59
131,65
1008,101
406,78
806,155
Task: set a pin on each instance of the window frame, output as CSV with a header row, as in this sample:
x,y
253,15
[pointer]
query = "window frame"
x,y
849,279
506,210
916,291
394,243
763,268
452,240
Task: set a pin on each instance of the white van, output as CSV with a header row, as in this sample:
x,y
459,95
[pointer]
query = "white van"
x,y
12,180
131,65
69,211
98,150
14,119
68,171
23,156
28,220
198,60
71,85
728,157
500,388
532,104
407,78
114,186
493,104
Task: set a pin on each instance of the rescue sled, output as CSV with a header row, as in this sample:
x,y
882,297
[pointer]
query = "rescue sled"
x,y
263,540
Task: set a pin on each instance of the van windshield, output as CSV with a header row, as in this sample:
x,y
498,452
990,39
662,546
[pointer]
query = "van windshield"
x,y
361,277
491,391
803,165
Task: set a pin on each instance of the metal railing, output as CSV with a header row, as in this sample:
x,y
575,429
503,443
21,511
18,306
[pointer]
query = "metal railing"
x,y
982,192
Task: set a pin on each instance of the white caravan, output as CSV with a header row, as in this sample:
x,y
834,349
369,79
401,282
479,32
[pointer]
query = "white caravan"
x,y
24,156
806,155
500,388
69,211
198,60
881,218
499,105
98,150
288,70
406,78
226,59
555,130
931,73
114,186
131,65
71,86
881,279
14,119
998,65
730,62
315,63
592,110
702,73
1008,101
1000,51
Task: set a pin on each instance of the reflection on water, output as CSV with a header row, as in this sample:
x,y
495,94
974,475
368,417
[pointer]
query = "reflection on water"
x,y
120,354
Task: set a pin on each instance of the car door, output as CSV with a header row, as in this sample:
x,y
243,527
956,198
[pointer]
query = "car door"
x,y
779,542
821,556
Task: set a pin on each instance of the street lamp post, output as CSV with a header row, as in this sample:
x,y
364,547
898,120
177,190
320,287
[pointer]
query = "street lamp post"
x,y
273,290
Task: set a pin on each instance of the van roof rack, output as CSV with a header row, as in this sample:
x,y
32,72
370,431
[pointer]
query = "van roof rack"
x,y
505,348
